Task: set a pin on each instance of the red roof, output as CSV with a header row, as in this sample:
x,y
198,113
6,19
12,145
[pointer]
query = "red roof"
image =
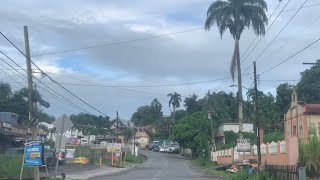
x,y
312,108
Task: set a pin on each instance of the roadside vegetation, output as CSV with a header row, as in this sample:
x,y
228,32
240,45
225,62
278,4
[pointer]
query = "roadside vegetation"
x,y
134,159
309,156
208,166
10,167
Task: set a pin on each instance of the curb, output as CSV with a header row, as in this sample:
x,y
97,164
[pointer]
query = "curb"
x,y
126,170
112,173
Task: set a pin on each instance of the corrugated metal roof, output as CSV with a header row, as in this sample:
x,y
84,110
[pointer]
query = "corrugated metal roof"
x,y
312,108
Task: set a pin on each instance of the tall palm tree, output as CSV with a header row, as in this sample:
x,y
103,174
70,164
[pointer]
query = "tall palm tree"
x,y
174,100
236,15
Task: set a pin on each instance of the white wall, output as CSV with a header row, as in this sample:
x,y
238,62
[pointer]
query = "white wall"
x,y
235,127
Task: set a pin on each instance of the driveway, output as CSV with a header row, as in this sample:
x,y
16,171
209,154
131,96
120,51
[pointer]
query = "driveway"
x,y
161,166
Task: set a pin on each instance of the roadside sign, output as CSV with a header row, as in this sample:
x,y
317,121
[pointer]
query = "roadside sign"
x,y
243,145
63,142
70,153
34,154
63,124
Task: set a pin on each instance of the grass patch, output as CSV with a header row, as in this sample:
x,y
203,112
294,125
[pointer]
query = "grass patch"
x,y
134,159
208,166
10,167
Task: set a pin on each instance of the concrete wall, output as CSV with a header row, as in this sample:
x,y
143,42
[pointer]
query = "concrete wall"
x,y
277,153
247,127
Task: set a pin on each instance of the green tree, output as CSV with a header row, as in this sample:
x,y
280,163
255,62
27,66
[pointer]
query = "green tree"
x,y
193,132
236,15
174,100
283,99
269,116
5,90
90,124
147,115
309,84
191,104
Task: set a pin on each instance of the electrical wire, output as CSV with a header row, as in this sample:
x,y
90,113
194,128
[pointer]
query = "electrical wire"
x,y
43,73
290,57
266,30
117,43
257,58
33,77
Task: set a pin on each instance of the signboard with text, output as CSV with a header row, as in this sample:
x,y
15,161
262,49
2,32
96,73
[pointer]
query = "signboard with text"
x,y
243,145
33,154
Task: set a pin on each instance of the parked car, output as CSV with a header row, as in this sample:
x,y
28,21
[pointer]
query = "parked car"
x,y
153,145
156,148
164,149
174,148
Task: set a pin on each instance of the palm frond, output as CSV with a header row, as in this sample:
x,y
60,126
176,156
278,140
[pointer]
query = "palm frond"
x,y
257,3
255,17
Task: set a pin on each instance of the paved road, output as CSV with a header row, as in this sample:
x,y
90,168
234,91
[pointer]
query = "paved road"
x,y
160,166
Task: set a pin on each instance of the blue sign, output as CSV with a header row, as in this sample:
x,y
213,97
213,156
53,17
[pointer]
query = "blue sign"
x,y
33,154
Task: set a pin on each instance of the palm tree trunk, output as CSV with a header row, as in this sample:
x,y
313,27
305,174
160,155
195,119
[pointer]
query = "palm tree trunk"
x,y
240,98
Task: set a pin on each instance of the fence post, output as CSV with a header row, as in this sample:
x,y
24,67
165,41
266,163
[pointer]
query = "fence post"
x,y
302,173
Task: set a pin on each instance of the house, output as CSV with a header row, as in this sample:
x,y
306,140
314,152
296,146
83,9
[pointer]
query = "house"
x,y
10,127
112,137
219,136
302,119
142,136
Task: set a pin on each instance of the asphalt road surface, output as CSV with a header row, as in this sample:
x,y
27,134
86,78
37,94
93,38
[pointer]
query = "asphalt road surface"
x,y
161,166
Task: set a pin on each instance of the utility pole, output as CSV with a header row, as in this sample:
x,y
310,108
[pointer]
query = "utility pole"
x,y
117,126
133,135
210,118
256,107
30,92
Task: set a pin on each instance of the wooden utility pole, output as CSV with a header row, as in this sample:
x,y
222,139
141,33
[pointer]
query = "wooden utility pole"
x,y
210,113
30,92
256,107
117,126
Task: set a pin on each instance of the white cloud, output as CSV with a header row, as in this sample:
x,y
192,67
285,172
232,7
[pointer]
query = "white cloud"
x,y
185,57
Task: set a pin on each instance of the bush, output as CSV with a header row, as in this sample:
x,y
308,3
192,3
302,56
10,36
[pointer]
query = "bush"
x,y
309,156
134,159
11,166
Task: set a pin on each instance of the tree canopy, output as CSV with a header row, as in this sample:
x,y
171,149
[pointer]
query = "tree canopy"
x,y
149,114
309,85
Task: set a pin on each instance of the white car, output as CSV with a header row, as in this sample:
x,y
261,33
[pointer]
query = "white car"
x,y
164,149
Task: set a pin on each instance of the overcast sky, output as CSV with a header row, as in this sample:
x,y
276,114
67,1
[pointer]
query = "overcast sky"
x,y
190,56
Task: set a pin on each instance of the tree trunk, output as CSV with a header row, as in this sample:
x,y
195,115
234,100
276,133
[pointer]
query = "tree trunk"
x,y
240,98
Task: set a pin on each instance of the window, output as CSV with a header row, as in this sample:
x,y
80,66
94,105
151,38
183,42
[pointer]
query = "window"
x,y
294,130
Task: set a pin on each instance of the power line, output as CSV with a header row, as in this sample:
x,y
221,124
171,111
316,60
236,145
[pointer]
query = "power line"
x,y
116,43
281,30
266,31
35,78
143,86
290,57
145,38
306,28
43,73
